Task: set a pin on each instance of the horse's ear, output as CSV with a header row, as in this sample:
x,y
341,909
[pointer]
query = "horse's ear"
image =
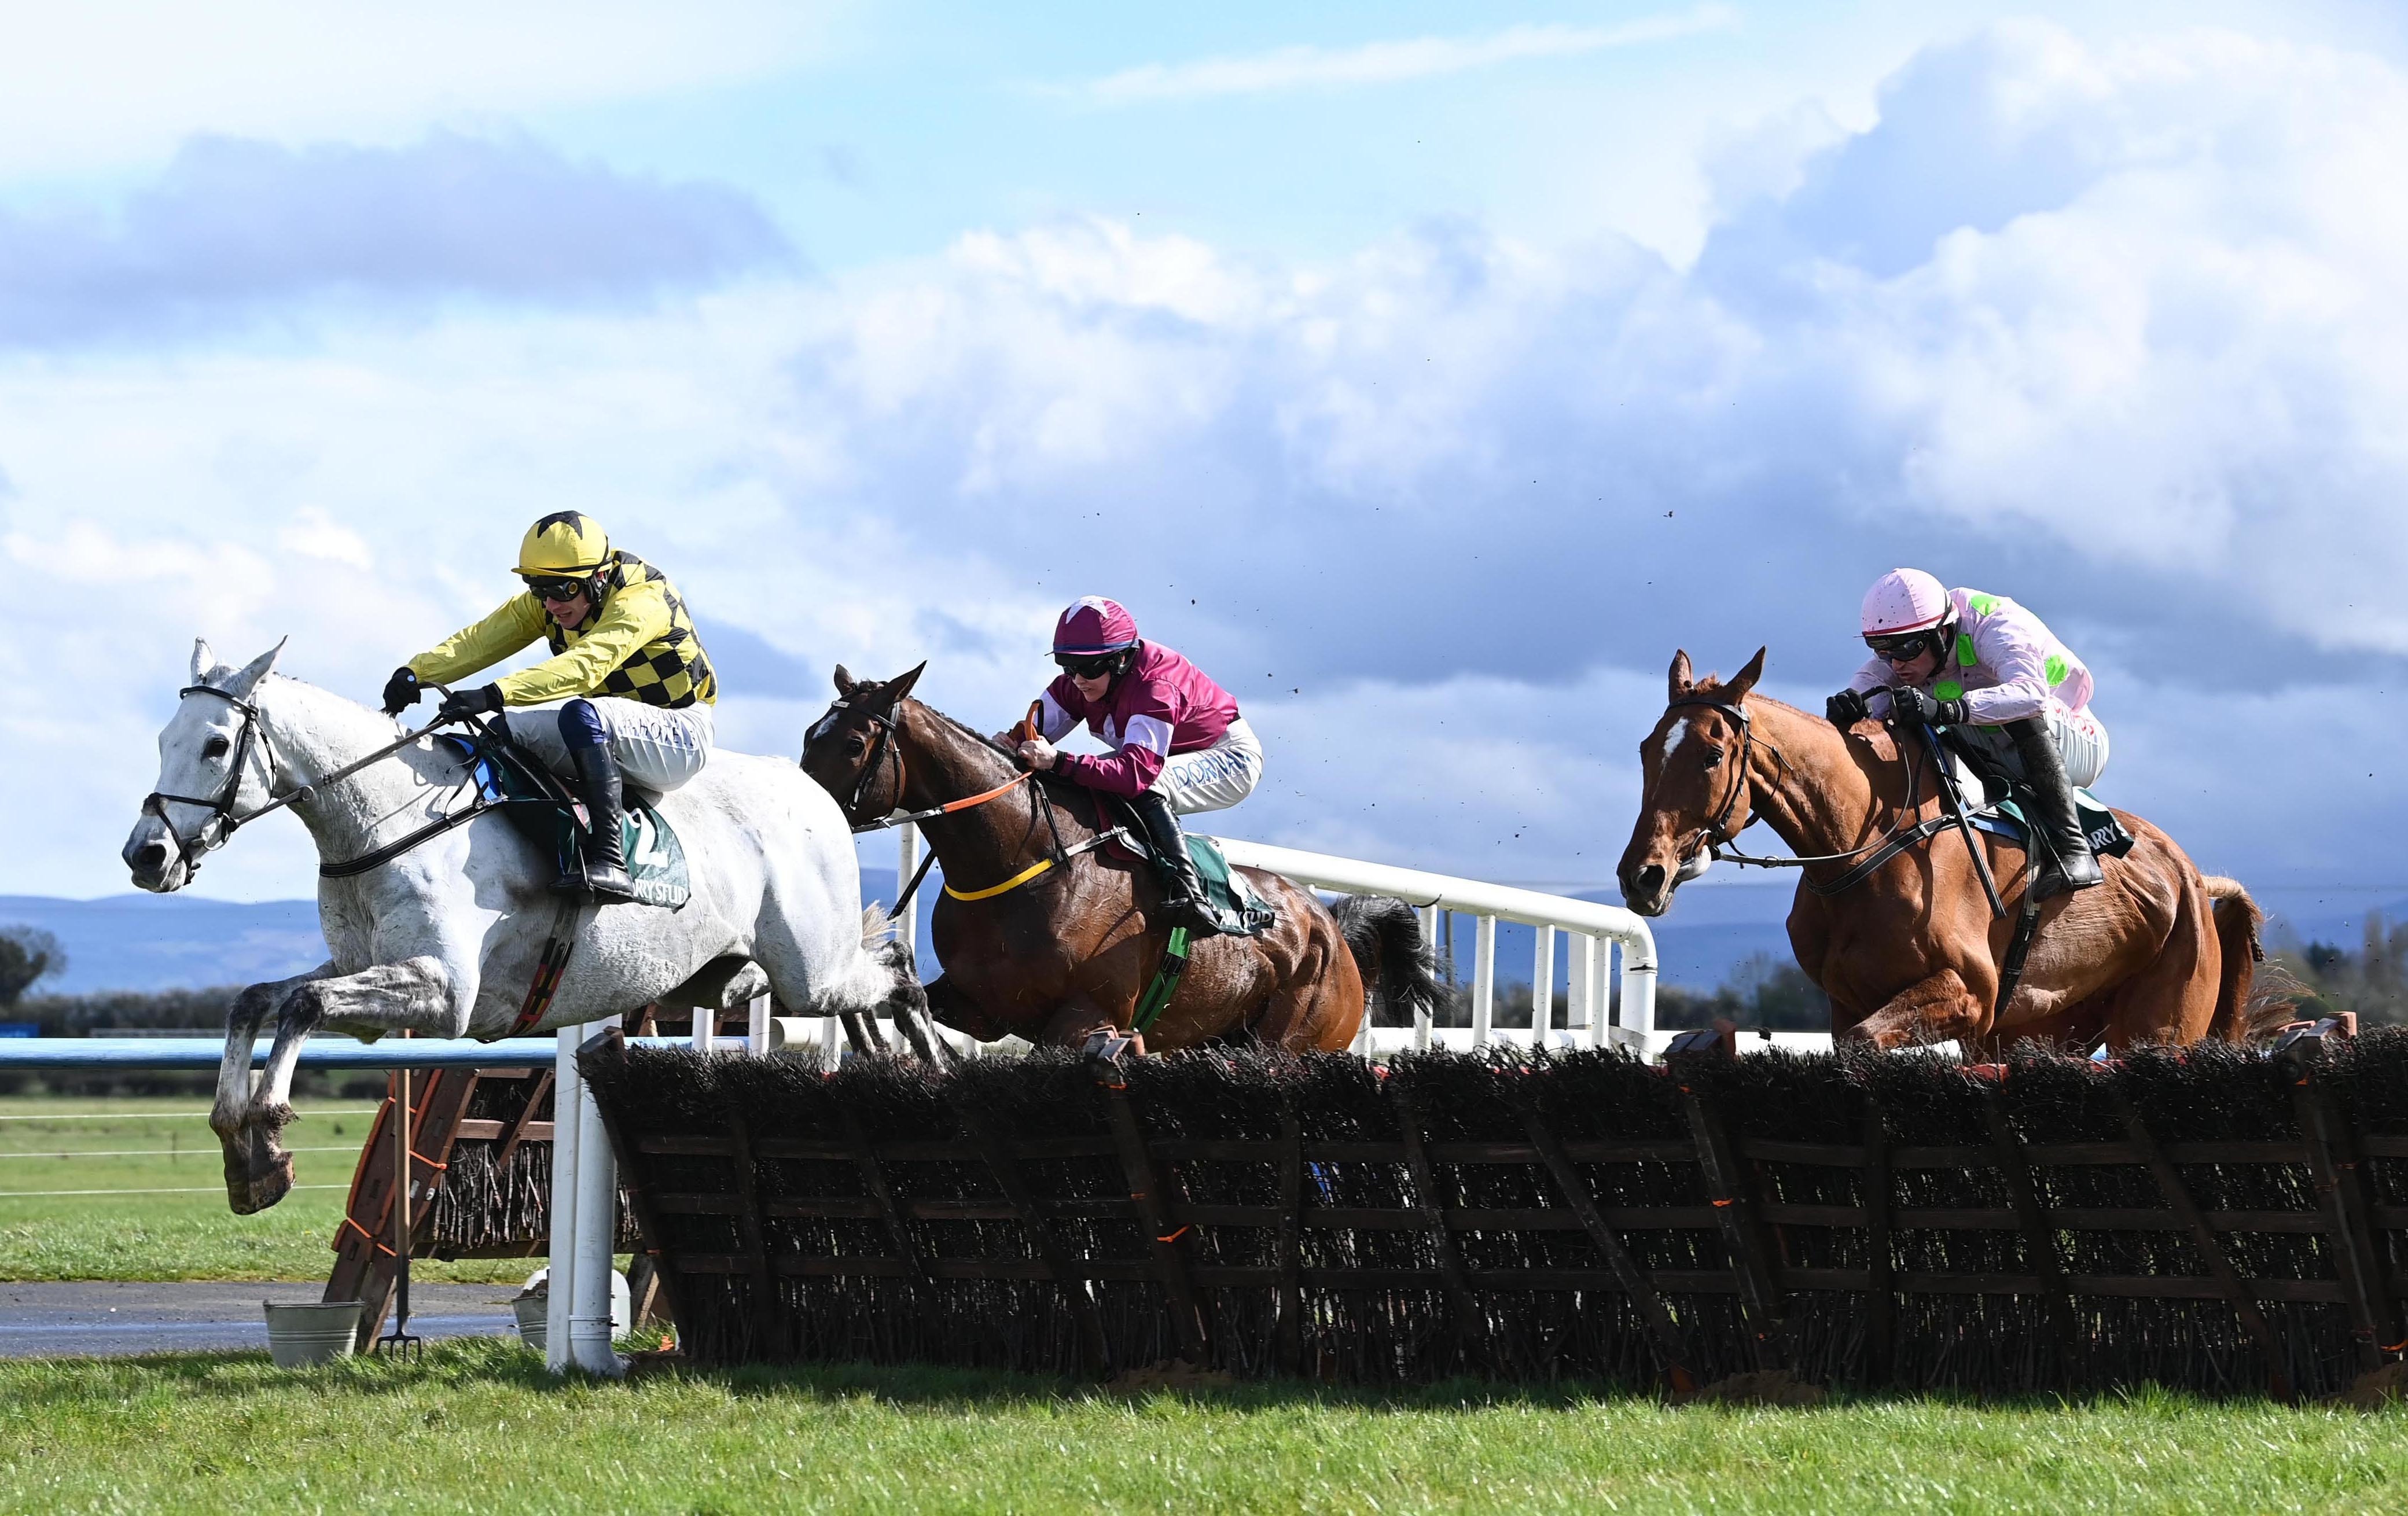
x,y
204,660
900,686
1679,681
845,684
246,677
1745,678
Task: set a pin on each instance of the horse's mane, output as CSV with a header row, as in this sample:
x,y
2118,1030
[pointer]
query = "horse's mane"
x,y
1058,787
1876,734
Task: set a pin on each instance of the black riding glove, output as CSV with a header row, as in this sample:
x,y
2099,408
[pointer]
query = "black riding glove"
x,y
1911,704
400,691
1846,708
484,700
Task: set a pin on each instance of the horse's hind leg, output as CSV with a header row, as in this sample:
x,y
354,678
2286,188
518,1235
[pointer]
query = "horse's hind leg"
x,y
1321,1006
2173,999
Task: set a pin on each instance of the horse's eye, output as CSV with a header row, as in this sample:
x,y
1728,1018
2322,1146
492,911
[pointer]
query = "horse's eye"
x,y
1713,758
855,744
215,748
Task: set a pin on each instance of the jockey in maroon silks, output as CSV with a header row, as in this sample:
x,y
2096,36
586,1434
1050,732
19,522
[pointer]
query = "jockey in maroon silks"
x,y
1180,745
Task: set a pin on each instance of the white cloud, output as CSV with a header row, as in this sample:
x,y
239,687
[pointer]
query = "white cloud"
x,y
1389,62
117,81
2117,331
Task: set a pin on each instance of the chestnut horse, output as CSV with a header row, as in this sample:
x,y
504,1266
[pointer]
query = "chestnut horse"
x,y
1071,949
1912,952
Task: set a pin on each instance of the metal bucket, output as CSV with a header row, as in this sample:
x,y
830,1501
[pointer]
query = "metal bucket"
x,y
299,1335
533,1310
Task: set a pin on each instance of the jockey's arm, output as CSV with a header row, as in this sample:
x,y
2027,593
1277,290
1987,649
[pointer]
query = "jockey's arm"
x,y
1053,723
635,615
2021,659
1132,768
513,624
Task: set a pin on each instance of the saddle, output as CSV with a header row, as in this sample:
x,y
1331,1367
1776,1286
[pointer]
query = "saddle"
x,y
536,802
1236,910
1994,800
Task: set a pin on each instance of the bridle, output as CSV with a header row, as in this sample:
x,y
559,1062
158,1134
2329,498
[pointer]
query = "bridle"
x,y
212,834
884,751
1716,837
224,821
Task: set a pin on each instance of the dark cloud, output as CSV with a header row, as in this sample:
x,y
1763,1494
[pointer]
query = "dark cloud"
x,y
234,226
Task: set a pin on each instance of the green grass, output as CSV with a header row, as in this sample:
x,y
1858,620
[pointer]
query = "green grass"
x,y
477,1426
188,1236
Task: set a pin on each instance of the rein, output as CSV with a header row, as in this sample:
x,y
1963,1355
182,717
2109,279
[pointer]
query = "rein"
x,y
1717,836
1040,801
221,805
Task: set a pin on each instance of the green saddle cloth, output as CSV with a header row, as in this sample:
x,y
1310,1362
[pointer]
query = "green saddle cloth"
x,y
2109,837
1235,907
655,858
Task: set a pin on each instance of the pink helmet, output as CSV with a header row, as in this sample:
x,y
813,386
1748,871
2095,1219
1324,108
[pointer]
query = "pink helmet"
x,y
1093,625
1904,600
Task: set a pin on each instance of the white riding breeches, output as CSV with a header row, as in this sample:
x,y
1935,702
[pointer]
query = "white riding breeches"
x,y
1214,778
2081,744
656,749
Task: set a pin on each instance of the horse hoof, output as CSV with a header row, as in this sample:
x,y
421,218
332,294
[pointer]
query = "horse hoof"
x,y
250,1190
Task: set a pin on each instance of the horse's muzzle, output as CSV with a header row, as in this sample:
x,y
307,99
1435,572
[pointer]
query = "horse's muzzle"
x,y
150,857
1647,890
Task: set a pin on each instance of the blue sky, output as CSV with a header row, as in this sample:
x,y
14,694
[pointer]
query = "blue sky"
x,y
1428,372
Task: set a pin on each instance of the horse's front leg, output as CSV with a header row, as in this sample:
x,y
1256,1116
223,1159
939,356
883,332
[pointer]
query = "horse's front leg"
x,y
230,1115
417,995
1933,1009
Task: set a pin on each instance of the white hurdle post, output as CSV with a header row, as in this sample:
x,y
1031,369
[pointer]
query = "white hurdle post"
x,y
595,1229
567,1094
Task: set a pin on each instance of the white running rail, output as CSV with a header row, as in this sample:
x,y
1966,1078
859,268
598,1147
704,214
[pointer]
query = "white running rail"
x,y
1592,932
1590,1017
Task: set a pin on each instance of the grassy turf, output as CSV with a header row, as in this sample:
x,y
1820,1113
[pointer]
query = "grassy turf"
x,y
477,1426
190,1236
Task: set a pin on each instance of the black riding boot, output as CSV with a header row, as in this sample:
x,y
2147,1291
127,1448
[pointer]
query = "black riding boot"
x,y
2066,860
1183,893
605,874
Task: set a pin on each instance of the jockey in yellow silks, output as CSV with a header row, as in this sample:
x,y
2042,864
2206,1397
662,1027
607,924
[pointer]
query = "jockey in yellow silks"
x,y
1991,670
625,656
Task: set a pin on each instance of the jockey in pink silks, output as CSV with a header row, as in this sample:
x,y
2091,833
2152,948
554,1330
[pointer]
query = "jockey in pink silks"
x,y
1180,745
1991,670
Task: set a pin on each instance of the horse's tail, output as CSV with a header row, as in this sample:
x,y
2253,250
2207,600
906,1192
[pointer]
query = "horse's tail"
x,y
1385,936
2237,920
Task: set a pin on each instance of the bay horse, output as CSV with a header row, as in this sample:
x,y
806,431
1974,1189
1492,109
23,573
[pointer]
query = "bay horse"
x,y
2159,953
1047,935
452,930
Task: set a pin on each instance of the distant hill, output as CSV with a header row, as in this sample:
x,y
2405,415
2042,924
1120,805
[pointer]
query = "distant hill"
x,y
165,942
170,942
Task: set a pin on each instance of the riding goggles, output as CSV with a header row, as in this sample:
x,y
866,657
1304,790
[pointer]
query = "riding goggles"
x,y
1906,647
1087,666
555,589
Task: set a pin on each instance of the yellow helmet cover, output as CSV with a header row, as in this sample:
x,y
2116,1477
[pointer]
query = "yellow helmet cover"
x,y
565,544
